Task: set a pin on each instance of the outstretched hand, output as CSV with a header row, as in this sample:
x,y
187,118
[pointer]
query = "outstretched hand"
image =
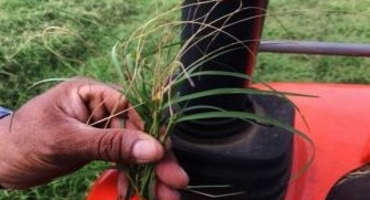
x,y
49,137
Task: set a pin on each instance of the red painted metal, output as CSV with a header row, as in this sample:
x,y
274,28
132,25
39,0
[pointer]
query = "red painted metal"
x,y
105,188
339,126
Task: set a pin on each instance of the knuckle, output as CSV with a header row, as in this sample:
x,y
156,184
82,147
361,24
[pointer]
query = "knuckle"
x,y
110,147
116,146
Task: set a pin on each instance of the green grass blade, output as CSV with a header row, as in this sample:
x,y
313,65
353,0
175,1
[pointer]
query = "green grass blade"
x,y
246,77
199,107
115,61
243,76
49,80
223,91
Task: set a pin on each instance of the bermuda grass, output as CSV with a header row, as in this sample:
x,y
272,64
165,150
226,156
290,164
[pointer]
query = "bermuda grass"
x,y
42,39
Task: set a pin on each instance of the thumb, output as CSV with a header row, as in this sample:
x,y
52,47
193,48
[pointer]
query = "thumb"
x,y
119,145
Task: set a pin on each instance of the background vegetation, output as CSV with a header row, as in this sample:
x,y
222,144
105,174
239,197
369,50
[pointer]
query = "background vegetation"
x,y
42,39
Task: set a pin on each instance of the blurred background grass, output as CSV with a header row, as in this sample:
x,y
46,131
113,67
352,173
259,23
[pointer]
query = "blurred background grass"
x,y
42,39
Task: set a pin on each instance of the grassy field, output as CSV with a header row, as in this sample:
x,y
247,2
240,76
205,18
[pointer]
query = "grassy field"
x,y
42,39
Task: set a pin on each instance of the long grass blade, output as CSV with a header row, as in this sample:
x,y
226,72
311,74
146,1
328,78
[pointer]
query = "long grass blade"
x,y
49,80
226,91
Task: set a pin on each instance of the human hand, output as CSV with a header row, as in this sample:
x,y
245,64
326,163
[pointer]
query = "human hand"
x,y
49,137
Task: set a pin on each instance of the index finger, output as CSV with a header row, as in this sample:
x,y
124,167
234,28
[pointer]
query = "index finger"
x,y
98,94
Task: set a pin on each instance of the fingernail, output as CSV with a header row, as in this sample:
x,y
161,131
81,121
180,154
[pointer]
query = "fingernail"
x,y
145,151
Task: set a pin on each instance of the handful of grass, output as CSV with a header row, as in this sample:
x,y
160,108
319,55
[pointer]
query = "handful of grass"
x,y
150,68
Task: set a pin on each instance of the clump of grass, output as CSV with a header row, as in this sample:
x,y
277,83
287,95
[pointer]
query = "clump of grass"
x,y
150,70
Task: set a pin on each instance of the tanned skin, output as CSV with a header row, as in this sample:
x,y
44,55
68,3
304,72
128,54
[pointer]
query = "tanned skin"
x,y
49,137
